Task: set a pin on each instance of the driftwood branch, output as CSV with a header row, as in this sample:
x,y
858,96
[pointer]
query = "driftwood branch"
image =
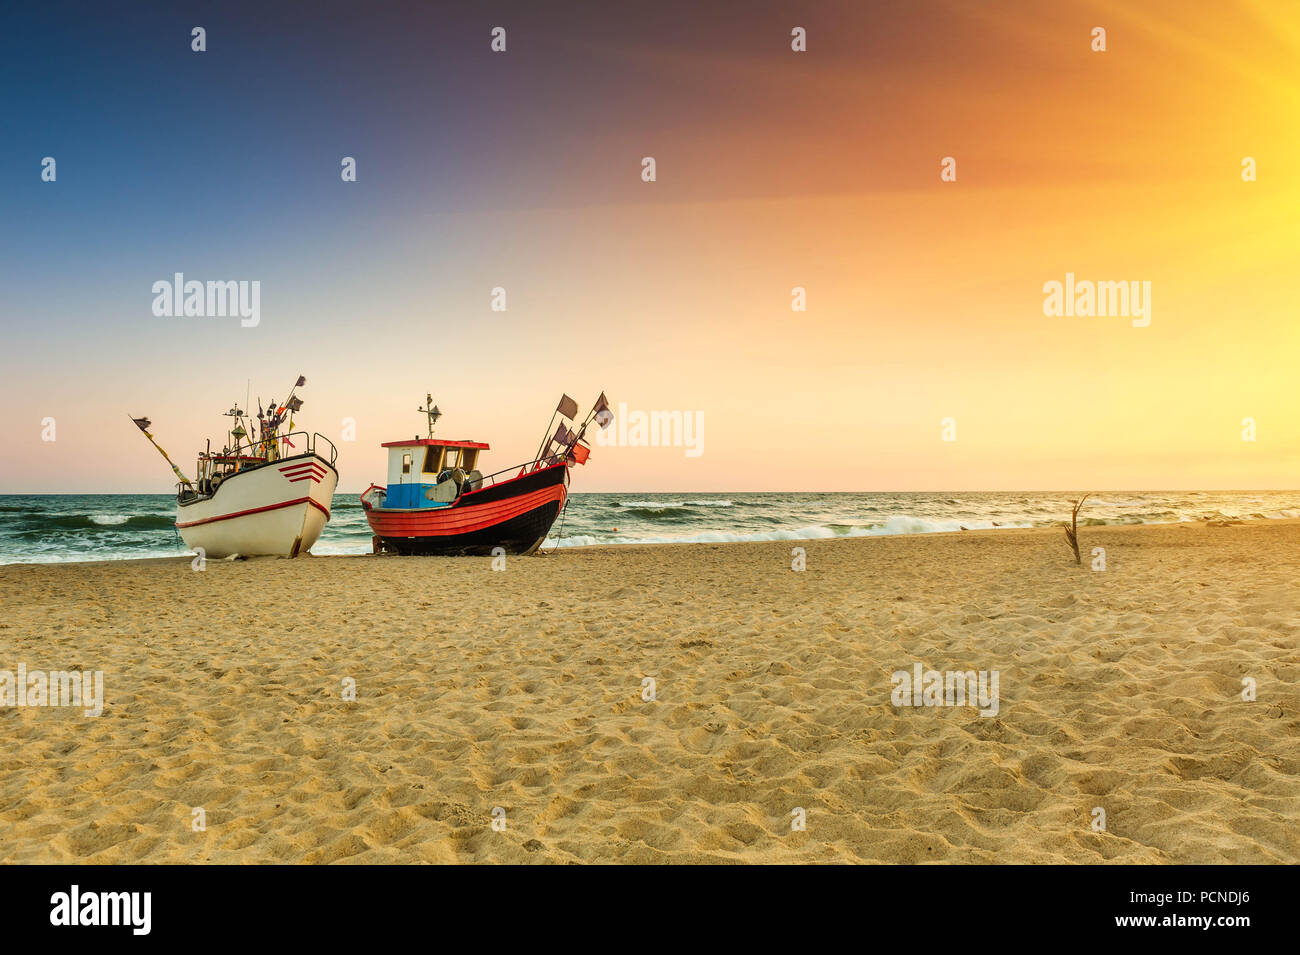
x,y
1072,529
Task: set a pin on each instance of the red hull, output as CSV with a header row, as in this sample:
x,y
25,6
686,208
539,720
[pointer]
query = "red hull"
x,y
515,515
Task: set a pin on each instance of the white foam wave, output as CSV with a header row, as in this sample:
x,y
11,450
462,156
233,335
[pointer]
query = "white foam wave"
x,y
894,526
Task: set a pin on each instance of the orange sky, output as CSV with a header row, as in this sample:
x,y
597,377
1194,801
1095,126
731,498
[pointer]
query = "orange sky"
x,y
777,170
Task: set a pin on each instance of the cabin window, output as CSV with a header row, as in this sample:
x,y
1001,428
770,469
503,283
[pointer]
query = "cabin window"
x,y
432,455
406,464
453,459
469,459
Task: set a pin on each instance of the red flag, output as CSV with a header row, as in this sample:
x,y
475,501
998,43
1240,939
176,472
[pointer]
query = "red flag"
x,y
580,453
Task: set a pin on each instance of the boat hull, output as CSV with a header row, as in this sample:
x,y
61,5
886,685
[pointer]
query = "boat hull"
x,y
515,515
278,509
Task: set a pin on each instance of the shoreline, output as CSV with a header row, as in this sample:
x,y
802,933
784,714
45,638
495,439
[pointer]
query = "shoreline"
x,y
1084,529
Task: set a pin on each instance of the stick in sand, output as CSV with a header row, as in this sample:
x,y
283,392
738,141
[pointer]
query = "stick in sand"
x,y
1072,529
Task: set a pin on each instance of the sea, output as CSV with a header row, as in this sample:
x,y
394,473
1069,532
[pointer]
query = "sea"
x,y
44,528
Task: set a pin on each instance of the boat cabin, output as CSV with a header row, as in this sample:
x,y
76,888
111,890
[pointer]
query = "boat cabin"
x,y
417,467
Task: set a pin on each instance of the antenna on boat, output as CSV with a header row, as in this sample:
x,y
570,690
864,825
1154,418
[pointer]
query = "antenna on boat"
x,y
431,411
235,430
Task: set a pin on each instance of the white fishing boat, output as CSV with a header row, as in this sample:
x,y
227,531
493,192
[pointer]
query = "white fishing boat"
x,y
267,492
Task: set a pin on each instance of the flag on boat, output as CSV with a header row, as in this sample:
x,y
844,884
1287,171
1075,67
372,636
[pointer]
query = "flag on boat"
x,y
580,453
603,415
567,407
295,403
143,424
302,380
562,435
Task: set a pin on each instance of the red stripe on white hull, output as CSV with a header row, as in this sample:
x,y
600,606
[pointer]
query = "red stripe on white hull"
x,y
261,512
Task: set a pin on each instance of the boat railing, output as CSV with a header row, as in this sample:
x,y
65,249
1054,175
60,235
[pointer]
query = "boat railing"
x,y
284,446
312,446
309,444
518,470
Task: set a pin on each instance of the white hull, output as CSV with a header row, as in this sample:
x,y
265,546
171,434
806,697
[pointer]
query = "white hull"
x,y
278,509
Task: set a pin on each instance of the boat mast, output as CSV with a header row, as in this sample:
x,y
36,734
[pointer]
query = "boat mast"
x,y
430,410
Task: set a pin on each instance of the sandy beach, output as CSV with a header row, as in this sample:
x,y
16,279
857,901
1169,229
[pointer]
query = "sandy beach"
x,y
522,691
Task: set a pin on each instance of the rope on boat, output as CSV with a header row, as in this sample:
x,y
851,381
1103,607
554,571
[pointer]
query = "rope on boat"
x,y
560,536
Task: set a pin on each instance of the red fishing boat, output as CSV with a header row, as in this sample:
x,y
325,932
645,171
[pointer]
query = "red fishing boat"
x,y
437,501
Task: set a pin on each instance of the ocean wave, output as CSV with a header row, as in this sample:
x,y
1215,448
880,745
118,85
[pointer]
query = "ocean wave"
x,y
103,522
668,511
707,537
580,540
667,514
894,526
652,505
110,519
63,556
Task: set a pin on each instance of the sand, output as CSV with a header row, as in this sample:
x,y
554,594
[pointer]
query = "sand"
x,y
521,690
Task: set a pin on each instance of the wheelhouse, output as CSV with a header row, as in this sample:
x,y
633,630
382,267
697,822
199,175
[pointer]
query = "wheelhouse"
x,y
418,466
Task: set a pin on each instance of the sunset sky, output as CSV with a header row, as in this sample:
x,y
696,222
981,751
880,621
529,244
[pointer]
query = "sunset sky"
x,y
775,169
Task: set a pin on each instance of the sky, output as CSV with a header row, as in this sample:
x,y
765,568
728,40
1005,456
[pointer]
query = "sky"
x,y
774,169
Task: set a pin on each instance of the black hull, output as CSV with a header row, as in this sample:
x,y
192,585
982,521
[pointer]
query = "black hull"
x,y
519,535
